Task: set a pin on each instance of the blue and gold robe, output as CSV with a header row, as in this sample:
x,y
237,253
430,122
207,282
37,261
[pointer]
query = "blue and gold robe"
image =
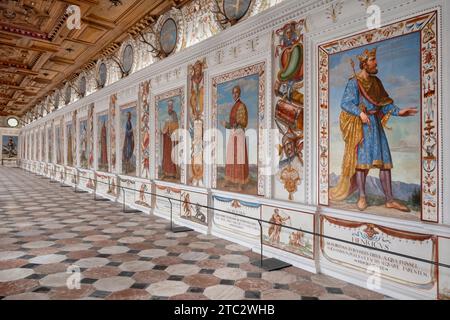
x,y
366,145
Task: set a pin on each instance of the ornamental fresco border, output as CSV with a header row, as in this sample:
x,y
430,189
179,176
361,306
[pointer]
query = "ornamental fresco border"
x,y
144,96
427,25
260,69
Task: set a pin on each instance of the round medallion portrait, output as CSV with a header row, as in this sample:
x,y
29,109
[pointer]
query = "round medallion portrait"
x,y
82,86
168,36
236,9
127,58
102,73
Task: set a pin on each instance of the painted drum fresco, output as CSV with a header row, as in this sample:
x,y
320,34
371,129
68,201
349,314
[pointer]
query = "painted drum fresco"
x,y
289,110
193,207
102,142
287,230
69,138
378,142
128,136
196,94
145,129
169,115
84,143
9,146
238,113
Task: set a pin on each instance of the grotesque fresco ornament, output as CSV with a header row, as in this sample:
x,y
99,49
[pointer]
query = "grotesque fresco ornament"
x,y
369,121
289,106
145,128
196,92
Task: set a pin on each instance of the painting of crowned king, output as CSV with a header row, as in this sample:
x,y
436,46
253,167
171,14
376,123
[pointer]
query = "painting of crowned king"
x,y
372,132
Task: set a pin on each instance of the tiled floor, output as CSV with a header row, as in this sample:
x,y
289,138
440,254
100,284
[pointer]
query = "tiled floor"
x,y
46,232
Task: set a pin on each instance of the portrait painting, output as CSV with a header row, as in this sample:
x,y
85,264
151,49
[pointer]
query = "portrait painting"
x,y
193,207
50,143
168,36
288,230
9,147
84,143
69,148
143,196
374,119
58,144
169,108
128,136
238,113
102,142
235,10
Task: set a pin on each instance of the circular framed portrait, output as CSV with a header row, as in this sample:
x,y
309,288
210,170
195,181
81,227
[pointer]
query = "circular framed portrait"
x,y
102,74
127,58
12,122
235,10
56,100
67,95
82,86
168,36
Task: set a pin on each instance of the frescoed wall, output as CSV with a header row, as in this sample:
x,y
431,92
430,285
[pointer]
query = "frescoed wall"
x,y
330,134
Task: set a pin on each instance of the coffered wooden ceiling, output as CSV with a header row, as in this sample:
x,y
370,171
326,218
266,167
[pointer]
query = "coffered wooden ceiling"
x,y
38,51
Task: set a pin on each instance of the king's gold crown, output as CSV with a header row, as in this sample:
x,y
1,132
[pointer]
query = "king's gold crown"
x,y
368,54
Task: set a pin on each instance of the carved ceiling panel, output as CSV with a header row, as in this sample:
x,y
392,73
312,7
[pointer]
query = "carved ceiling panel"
x,y
38,51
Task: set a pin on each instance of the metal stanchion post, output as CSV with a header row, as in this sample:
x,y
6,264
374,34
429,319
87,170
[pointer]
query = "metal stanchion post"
x,y
124,210
269,264
95,191
179,228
